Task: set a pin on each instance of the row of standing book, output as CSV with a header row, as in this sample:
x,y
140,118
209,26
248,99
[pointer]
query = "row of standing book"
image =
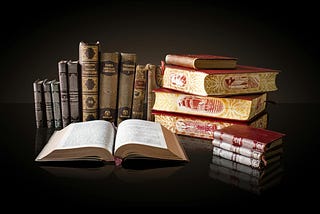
x,y
109,86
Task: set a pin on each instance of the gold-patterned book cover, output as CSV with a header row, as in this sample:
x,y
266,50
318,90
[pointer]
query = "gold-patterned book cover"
x,y
126,84
74,90
109,73
89,54
139,92
240,107
220,82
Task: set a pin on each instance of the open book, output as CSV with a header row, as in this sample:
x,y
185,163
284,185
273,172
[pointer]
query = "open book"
x,y
99,140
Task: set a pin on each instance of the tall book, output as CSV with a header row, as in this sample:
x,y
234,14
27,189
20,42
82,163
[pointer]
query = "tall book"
x,y
153,83
220,82
56,104
126,84
89,54
202,127
48,103
240,107
108,92
64,95
140,92
201,61
39,104
74,90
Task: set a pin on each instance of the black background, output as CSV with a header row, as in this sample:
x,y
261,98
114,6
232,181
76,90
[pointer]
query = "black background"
x,y
273,34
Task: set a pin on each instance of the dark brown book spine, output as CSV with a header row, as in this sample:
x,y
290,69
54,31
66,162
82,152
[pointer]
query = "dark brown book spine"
x,y
56,104
126,83
73,80
153,70
89,54
64,96
39,104
109,72
139,92
48,103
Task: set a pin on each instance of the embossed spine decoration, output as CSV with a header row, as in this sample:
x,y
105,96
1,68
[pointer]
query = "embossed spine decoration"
x,y
109,72
56,104
126,84
89,54
153,83
39,104
73,77
64,95
139,92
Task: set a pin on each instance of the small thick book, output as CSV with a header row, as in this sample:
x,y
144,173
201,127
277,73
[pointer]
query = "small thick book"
x,y
220,82
99,140
201,61
257,139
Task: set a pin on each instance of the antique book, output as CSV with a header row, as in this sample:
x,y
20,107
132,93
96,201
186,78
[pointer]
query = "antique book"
x,y
201,61
56,104
251,153
89,55
126,84
74,90
255,163
265,179
240,107
249,137
48,102
108,92
220,82
153,83
98,140
64,95
202,127
39,104
140,92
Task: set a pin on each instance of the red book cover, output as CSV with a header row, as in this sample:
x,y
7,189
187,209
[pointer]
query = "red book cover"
x,y
249,137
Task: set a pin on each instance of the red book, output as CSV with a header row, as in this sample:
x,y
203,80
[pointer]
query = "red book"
x,y
249,137
201,61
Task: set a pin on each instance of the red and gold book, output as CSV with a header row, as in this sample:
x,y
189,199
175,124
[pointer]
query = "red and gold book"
x,y
241,107
201,61
202,127
249,137
220,82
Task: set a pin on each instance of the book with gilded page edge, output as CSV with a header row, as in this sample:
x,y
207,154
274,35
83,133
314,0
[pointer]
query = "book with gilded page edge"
x,y
98,140
240,107
220,82
201,61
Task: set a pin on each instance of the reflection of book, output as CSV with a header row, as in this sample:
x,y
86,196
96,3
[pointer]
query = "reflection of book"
x,y
41,138
201,61
202,127
241,80
244,177
241,107
98,140
90,172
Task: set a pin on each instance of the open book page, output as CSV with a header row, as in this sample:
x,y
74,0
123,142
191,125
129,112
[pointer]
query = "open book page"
x,y
96,133
140,132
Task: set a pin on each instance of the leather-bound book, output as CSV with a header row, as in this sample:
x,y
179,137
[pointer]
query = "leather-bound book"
x,y
64,95
48,103
74,90
126,83
108,92
89,54
139,92
39,104
56,104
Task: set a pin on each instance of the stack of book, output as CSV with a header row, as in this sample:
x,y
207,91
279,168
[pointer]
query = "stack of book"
x,y
204,93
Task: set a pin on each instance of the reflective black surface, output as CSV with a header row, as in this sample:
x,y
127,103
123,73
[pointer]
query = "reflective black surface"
x,y
195,184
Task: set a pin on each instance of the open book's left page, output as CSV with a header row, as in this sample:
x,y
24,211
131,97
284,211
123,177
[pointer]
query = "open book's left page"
x,y
82,140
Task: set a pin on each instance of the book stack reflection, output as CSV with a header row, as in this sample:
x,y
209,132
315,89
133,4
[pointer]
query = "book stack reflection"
x,y
245,177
